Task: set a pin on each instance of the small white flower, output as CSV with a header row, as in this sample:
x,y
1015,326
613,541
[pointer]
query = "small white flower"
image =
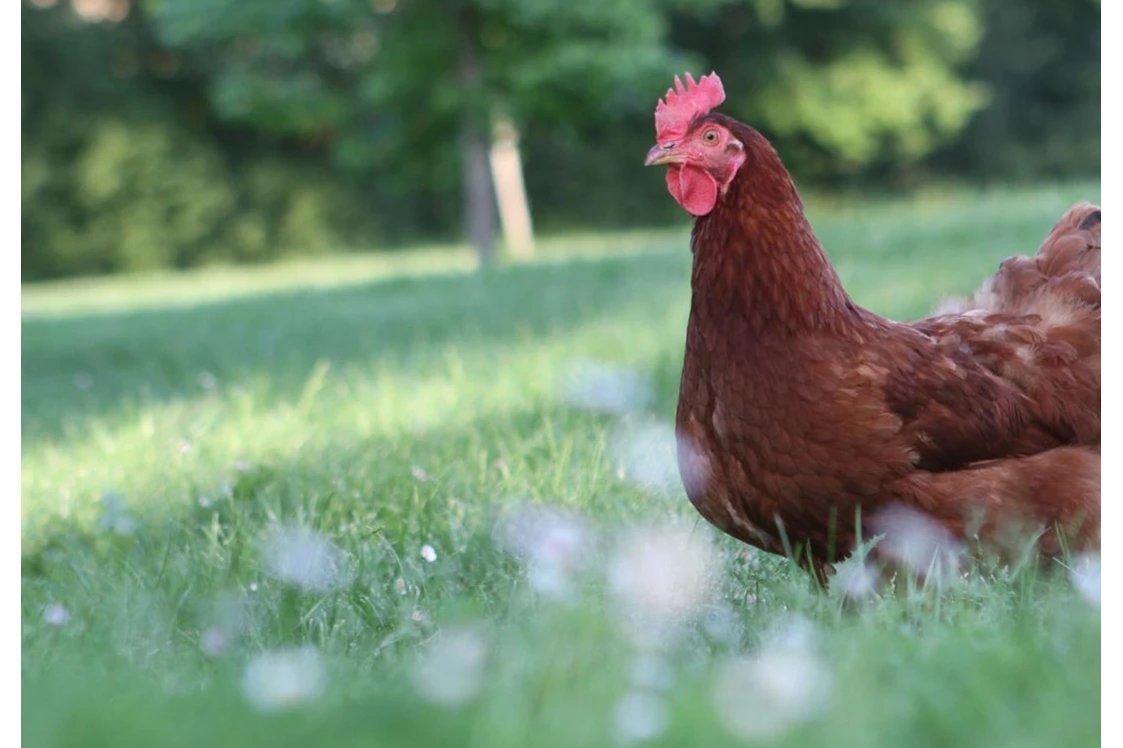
x,y
549,580
598,386
854,580
206,502
784,684
225,622
663,570
719,622
207,380
791,633
214,642
305,559
551,543
56,614
284,678
640,716
429,553
919,542
419,473
661,575
652,672
115,515
1086,578
646,451
450,670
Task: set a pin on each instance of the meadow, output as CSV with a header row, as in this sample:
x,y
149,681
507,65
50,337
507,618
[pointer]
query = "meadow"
x,y
387,500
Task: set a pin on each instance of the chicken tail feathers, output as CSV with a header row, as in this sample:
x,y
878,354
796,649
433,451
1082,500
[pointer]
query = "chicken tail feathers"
x,y
1073,246
1063,274
1036,324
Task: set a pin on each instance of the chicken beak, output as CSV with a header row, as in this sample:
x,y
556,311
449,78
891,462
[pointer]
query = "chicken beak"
x,y
664,154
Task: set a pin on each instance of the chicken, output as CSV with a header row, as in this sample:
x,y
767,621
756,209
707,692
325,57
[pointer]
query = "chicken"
x,y
806,423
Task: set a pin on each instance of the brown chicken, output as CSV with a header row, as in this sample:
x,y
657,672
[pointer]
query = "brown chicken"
x,y
804,418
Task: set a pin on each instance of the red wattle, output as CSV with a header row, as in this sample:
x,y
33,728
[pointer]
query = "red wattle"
x,y
693,188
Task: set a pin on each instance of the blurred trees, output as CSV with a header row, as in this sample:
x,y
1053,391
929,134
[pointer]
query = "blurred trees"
x,y
125,165
168,133
406,89
1040,60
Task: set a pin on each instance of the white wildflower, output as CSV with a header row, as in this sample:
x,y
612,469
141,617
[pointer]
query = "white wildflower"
x,y
854,580
550,543
719,622
641,716
663,570
284,678
56,614
785,683
450,670
115,515
214,641
646,452
652,672
598,386
919,542
305,559
1086,578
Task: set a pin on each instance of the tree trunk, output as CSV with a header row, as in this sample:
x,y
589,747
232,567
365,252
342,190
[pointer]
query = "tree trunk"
x,y
478,211
510,192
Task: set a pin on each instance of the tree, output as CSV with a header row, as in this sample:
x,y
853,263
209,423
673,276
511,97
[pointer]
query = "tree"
x,y
1041,60
843,85
170,133
396,88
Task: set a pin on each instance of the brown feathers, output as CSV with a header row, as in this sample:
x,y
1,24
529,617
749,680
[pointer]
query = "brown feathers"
x,y
804,417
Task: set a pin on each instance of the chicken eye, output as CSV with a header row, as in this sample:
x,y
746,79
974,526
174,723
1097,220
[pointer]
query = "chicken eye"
x,y
710,136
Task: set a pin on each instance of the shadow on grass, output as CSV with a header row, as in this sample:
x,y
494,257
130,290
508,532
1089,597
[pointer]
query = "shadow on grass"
x,y
79,368
553,454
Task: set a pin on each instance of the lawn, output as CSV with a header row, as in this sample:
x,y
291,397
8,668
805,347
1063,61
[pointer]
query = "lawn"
x,y
384,500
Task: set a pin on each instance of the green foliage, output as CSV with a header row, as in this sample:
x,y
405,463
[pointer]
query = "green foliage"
x,y
842,87
1041,59
125,169
150,191
242,130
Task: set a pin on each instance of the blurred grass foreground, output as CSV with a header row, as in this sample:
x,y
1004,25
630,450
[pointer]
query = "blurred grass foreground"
x,y
377,500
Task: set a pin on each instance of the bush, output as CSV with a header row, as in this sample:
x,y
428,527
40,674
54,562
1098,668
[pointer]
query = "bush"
x,y
139,154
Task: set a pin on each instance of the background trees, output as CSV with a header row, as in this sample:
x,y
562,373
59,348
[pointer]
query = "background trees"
x,y
169,133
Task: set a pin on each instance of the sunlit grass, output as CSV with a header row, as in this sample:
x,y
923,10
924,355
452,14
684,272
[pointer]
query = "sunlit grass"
x,y
410,413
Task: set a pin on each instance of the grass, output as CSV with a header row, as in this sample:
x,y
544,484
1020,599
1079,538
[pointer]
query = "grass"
x,y
401,405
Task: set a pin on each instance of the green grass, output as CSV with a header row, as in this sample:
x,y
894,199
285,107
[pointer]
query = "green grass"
x,y
171,423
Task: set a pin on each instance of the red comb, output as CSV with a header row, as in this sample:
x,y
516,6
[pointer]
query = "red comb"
x,y
683,103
